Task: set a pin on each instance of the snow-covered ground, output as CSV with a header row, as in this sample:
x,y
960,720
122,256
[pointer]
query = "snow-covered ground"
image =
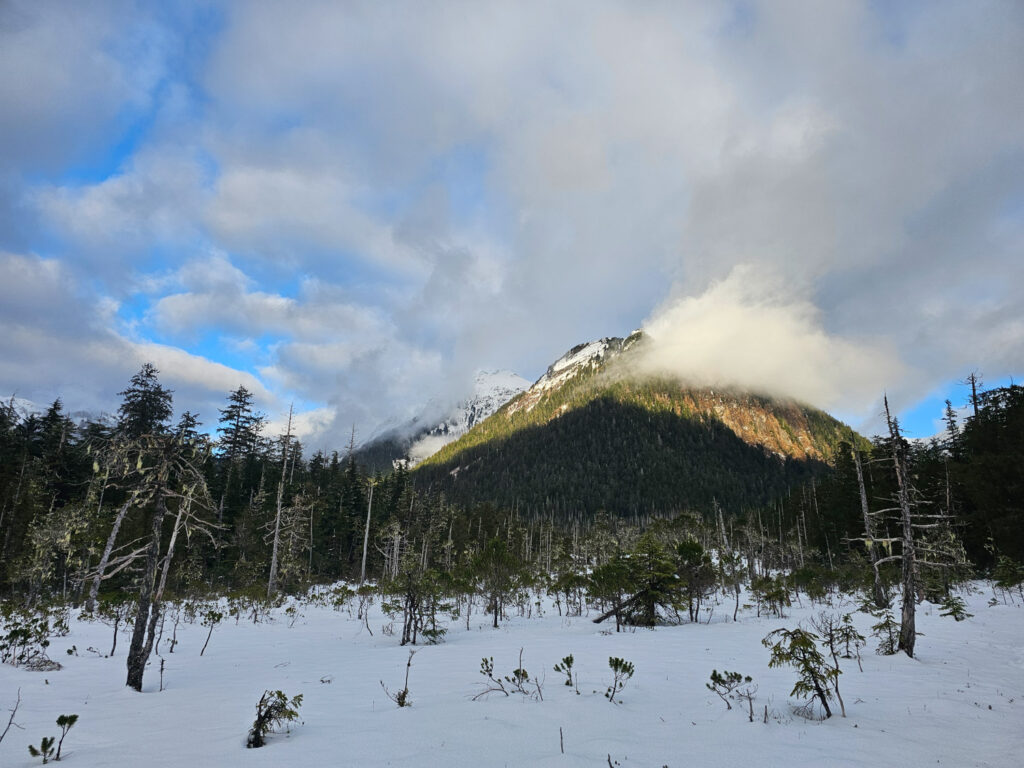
x,y
960,703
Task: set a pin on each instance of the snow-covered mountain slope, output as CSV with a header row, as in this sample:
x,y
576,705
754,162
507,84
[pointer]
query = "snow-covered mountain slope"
x,y
491,390
25,407
423,436
581,358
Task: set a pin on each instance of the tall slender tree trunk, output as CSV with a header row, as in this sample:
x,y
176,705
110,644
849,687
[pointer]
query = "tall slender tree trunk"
x,y
272,581
183,510
366,536
908,633
94,589
140,648
877,591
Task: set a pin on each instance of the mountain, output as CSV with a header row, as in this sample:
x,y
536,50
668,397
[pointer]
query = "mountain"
x,y
593,435
423,436
29,408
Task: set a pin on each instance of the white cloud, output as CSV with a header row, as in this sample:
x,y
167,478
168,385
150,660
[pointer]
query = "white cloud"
x,y
748,331
448,188
71,71
58,341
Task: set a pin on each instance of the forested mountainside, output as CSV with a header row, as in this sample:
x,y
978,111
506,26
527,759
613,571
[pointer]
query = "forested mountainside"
x,y
591,435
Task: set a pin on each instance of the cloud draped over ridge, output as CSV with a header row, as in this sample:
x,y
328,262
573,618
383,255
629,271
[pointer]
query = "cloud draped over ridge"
x,y
745,332
356,208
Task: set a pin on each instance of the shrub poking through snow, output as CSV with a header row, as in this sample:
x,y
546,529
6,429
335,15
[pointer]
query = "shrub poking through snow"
x,y
725,683
401,698
114,611
45,749
211,619
622,670
748,693
24,638
508,684
799,648
494,684
565,668
273,710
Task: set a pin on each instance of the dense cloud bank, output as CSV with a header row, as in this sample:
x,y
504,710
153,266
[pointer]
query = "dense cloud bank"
x,y
357,206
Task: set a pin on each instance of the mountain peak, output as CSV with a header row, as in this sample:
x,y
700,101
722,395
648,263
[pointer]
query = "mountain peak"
x,y
588,356
597,433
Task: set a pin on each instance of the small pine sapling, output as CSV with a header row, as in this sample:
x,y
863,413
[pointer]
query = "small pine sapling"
x,y
888,633
848,635
516,681
955,606
831,627
45,749
273,710
622,670
401,698
114,612
798,648
494,684
210,619
65,723
723,684
565,668
520,677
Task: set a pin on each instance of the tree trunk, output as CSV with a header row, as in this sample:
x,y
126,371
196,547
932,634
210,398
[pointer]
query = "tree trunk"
x,y
878,593
366,536
90,604
272,581
908,634
823,699
139,650
182,512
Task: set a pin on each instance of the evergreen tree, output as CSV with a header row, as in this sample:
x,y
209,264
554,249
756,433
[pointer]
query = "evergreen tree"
x,y
239,426
146,405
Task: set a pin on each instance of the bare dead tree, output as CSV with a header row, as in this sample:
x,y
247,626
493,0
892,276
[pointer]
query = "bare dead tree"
x,y
10,720
272,581
878,591
366,535
90,603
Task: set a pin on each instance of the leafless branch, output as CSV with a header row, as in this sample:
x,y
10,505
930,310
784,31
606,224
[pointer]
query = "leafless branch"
x,y
10,720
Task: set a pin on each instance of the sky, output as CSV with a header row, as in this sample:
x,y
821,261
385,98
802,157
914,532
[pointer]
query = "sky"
x,y
354,206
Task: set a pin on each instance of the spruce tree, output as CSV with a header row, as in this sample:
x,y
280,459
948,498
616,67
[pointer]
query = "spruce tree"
x,y
239,425
146,405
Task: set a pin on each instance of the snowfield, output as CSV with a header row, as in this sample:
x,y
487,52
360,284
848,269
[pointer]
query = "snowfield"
x,y
961,703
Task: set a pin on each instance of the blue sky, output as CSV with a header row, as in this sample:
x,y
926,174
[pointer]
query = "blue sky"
x,y
355,207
